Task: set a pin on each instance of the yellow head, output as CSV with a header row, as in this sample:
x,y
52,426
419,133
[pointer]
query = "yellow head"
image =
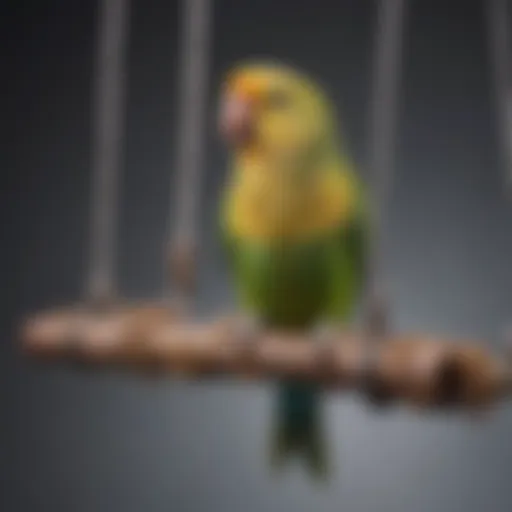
x,y
270,110
287,183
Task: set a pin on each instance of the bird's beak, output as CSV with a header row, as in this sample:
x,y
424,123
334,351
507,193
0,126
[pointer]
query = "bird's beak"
x,y
236,118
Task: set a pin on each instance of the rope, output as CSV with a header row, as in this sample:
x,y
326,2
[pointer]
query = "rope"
x,y
190,150
108,121
383,107
500,60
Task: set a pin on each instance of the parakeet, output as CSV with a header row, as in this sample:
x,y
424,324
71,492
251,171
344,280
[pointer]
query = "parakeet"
x,y
294,224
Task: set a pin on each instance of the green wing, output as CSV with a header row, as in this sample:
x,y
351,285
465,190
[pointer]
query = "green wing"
x,y
348,261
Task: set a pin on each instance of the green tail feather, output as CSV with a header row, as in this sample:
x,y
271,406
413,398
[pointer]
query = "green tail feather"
x,y
299,429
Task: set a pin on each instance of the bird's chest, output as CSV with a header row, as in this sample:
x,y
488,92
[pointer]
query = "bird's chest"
x,y
273,209
269,208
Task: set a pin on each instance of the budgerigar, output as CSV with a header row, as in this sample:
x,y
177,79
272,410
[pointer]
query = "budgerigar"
x,y
294,223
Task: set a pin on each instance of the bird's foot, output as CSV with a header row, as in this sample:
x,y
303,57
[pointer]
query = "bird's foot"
x,y
325,335
324,332
248,330
373,387
377,319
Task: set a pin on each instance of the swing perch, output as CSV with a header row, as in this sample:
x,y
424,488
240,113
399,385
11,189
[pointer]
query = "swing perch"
x,y
160,337
415,368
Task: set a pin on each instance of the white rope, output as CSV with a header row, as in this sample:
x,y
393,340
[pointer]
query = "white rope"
x,y
499,50
383,108
107,145
194,68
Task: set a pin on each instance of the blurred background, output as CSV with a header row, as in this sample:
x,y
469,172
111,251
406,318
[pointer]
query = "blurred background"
x,y
75,441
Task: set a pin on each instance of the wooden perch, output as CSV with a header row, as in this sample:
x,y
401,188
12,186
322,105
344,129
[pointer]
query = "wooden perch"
x,y
414,368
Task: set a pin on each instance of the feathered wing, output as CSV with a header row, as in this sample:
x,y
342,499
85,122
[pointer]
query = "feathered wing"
x,y
349,256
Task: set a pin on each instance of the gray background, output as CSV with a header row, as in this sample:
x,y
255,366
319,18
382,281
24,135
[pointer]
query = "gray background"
x,y
97,442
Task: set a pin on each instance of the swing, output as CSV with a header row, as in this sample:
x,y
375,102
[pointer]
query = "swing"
x,y
162,336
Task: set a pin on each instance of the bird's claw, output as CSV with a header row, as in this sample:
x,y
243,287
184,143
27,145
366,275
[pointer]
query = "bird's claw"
x,y
324,336
248,330
378,316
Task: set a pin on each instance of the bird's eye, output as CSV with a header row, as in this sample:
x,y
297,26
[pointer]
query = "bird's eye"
x,y
278,99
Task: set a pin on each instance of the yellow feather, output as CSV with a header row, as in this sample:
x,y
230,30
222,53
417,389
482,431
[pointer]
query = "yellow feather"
x,y
266,207
282,189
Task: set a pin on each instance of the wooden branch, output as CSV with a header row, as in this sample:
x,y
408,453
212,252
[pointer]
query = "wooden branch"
x,y
414,368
